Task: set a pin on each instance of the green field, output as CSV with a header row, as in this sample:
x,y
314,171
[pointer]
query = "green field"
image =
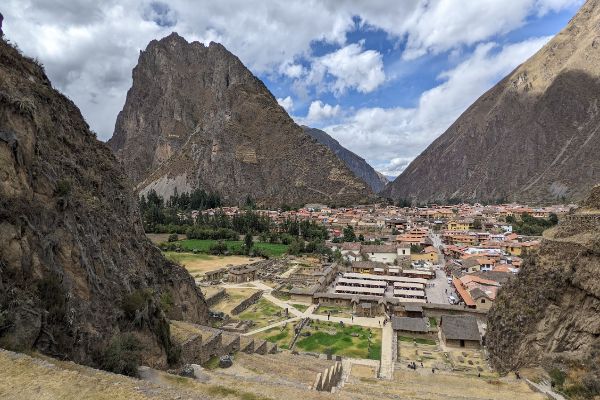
x,y
418,340
280,335
262,313
272,249
300,307
342,312
349,341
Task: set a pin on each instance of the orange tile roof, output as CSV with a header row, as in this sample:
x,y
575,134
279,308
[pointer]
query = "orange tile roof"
x,y
463,293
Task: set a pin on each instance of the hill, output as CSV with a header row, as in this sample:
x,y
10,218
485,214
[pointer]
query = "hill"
x,y
548,315
533,137
355,163
197,117
77,274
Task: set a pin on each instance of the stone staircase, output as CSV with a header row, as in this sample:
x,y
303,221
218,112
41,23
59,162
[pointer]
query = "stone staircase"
x,y
200,343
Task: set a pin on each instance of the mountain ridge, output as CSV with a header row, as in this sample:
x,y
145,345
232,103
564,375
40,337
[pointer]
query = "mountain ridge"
x,y
532,137
195,116
358,165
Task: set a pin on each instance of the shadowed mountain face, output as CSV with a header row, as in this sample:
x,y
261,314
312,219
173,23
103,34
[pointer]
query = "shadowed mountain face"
x,y
76,270
357,164
533,137
197,117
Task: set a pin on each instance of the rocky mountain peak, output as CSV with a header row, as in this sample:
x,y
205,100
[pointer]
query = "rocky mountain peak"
x,y
197,117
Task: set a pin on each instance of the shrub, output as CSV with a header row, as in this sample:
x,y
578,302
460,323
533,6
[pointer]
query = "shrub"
x,y
63,188
135,302
122,356
172,238
557,376
52,297
218,248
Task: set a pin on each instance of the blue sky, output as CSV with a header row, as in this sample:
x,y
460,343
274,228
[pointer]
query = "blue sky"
x,y
385,78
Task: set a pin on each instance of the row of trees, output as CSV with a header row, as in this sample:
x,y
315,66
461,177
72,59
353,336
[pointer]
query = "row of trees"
x,y
530,225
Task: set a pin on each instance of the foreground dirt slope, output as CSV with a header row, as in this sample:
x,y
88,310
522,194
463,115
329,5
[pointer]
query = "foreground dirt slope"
x,y
197,117
253,377
533,137
72,246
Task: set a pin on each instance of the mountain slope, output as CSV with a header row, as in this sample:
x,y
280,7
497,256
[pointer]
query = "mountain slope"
x,y
76,270
357,164
533,137
549,313
196,116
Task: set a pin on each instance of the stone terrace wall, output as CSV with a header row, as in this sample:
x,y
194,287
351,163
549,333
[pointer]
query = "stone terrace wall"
x,y
328,379
215,298
246,303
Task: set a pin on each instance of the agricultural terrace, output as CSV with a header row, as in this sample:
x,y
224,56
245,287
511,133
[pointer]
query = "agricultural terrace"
x,y
343,340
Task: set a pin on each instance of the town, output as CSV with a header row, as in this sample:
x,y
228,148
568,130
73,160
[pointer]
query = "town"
x,y
418,281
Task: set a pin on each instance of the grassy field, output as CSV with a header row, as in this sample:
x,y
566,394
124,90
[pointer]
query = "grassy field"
x,y
272,249
198,264
342,312
300,307
263,313
280,335
418,340
348,341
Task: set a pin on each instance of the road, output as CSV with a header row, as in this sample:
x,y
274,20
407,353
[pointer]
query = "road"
x,y
441,289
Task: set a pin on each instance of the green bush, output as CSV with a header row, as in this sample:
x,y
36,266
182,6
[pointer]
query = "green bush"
x,y
63,188
134,302
218,248
172,238
557,376
122,356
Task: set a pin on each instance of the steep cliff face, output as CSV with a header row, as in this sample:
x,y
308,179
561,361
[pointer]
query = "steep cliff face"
x,y
355,163
196,116
75,267
533,137
550,313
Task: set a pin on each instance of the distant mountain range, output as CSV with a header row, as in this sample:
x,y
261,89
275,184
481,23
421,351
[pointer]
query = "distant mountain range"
x,y
357,164
197,117
534,137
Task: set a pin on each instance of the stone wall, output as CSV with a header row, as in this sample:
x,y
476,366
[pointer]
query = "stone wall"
x,y
325,381
215,298
246,303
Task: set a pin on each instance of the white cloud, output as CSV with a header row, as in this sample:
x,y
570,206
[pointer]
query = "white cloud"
x,y
291,70
352,67
89,47
287,103
319,111
390,138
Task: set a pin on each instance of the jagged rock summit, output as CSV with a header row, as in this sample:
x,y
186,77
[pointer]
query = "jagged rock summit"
x,y
76,270
549,314
357,164
532,138
197,117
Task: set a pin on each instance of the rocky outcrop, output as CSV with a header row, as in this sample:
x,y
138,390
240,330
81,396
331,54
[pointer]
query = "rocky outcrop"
x,y
355,163
534,137
76,270
197,117
549,313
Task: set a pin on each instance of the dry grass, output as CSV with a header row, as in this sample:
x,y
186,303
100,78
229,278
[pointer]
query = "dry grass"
x,y
198,264
232,299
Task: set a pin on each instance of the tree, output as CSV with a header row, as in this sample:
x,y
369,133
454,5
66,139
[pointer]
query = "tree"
x,y
361,238
477,225
248,243
553,218
349,235
416,248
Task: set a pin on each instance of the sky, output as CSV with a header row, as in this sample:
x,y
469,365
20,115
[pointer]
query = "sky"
x,y
385,78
